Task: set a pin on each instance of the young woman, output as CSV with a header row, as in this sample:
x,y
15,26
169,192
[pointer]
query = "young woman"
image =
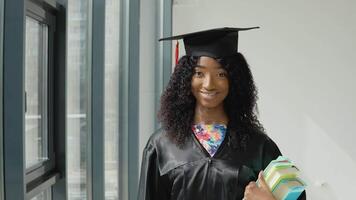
x,y
211,145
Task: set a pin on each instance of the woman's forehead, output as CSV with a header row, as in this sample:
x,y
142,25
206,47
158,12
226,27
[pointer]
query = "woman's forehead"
x,y
208,62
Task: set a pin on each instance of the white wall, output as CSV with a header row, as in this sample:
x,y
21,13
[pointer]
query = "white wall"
x,y
303,60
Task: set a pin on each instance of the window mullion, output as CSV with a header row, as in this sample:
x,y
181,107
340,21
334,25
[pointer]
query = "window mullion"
x,y
1,100
97,99
14,59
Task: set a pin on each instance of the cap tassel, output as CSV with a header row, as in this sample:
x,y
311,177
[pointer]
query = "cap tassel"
x,y
177,52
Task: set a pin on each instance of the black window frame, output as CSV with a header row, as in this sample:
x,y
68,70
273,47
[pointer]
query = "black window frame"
x,y
1,100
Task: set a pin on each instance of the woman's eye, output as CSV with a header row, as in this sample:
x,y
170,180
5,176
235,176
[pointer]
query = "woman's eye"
x,y
198,74
222,74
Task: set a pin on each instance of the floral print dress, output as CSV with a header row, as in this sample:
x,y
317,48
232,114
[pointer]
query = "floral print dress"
x,y
210,136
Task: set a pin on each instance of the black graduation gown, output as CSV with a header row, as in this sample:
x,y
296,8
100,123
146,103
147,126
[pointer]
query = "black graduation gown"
x,y
169,172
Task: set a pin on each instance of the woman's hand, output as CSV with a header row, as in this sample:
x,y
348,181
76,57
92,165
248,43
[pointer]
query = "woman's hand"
x,y
253,192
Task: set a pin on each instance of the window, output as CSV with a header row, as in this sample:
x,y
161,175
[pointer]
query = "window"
x,y
38,68
111,97
38,100
36,92
77,99
48,85
45,195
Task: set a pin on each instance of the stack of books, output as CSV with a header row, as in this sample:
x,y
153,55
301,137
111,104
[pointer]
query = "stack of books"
x,y
282,177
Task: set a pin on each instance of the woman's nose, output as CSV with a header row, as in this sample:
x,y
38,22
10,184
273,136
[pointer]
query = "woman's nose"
x,y
208,83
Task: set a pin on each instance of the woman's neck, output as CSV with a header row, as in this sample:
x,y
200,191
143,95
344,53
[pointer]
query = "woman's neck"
x,y
205,115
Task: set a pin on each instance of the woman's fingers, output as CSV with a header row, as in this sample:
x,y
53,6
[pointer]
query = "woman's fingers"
x,y
251,185
262,181
254,192
250,188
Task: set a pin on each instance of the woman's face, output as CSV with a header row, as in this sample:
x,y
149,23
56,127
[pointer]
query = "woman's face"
x,y
210,84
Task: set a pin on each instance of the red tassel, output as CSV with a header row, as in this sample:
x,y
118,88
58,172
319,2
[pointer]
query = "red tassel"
x,y
177,52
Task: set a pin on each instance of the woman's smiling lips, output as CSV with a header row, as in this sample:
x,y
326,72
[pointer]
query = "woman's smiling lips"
x,y
209,95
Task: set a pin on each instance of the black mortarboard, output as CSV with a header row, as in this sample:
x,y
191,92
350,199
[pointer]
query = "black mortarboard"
x,y
215,43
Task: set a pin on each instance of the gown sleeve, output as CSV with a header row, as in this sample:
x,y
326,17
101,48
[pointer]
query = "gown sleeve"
x,y
150,185
270,152
148,177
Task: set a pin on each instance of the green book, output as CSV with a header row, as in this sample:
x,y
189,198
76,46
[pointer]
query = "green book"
x,y
282,177
289,189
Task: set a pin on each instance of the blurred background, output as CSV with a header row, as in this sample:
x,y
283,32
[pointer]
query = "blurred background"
x,y
80,83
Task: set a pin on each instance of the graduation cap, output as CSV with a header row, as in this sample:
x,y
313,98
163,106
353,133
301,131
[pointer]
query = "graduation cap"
x,y
215,43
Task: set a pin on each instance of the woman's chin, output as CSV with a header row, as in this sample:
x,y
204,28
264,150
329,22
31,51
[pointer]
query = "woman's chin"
x,y
209,105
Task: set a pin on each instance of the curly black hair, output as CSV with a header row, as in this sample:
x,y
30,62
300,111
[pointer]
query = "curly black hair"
x,y
177,107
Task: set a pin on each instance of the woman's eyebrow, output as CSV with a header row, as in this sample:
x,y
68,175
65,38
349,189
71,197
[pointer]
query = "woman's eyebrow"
x,y
202,66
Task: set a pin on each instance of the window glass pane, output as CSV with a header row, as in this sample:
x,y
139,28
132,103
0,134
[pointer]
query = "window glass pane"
x,y
111,92
45,195
36,92
77,98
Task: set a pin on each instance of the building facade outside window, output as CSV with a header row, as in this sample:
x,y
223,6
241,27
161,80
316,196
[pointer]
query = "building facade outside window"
x,y
77,98
45,195
111,98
